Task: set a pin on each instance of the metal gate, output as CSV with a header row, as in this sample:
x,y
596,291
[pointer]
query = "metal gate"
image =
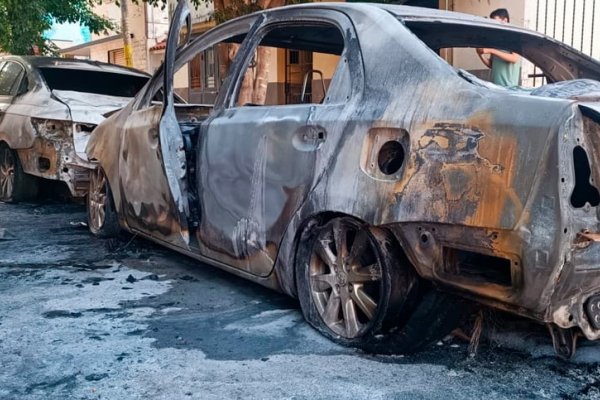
x,y
574,22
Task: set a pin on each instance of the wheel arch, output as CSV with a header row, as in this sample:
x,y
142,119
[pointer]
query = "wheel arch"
x,y
285,264
295,238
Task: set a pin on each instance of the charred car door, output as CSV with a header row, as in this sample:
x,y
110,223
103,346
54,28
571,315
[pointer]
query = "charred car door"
x,y
155,168
262,152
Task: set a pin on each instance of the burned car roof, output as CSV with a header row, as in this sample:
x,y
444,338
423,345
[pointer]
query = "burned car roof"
x,y
49,62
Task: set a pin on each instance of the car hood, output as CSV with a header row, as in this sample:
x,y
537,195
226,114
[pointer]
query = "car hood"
x,y
89,108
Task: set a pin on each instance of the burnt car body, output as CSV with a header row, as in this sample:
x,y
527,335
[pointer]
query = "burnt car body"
x,y
48,108
409,178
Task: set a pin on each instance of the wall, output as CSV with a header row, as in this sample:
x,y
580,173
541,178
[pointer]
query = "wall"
x,y
277,75
155,60
181,81
573,22
100,51
467,58
147,25
326,63
108,10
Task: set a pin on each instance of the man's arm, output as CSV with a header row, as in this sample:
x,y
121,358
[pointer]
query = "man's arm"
x,y
485,60
512,58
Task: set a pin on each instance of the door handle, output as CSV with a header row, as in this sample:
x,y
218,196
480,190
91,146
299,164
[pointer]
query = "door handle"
x,y
309,138
314,134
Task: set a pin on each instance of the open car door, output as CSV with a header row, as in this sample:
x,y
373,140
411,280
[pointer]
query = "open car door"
x,y
152,164
171,138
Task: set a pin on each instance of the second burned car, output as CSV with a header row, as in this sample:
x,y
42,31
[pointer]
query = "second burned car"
x,y
48,108
375,178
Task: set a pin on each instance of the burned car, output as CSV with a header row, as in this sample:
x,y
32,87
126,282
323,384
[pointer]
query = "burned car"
x,y
387,189
48,108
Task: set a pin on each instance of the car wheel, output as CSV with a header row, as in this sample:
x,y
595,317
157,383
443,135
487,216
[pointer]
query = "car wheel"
x,y
349,285
435,316
15,185
103,220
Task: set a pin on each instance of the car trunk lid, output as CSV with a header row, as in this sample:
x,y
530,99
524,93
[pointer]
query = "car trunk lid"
x,y
89,108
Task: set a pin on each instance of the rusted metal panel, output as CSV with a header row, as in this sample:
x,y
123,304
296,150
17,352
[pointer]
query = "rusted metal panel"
x,y
449,164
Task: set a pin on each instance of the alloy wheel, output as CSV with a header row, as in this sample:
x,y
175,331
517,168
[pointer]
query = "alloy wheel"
x,y
345,278
7,173
97,199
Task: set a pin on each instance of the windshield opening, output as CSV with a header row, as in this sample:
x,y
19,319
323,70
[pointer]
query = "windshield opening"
x,y
96,82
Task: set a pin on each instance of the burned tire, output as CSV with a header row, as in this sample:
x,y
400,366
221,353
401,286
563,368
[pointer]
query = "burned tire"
x,y
103,220
15,185
343,261
436,315
349,285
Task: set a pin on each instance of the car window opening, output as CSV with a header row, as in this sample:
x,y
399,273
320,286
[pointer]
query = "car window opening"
x,y
199,80
583,192
96,82
292,65
456,44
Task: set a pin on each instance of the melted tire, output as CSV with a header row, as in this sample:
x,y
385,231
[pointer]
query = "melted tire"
x,y
25,187
435,316
398,289
110,227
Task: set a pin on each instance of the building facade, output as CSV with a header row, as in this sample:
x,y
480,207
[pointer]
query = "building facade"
x,y
198,82
148,27
574,22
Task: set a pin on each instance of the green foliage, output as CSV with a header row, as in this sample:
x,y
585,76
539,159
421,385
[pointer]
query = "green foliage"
x,y
163,3
23,22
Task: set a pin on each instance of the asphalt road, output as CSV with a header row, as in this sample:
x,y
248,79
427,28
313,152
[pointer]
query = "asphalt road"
x,y
83,318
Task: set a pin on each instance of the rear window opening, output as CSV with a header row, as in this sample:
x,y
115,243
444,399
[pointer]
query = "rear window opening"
x,y
584,191
543,60
95,82
477,267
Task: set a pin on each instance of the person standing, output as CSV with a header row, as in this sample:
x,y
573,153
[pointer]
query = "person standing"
x,y
505,65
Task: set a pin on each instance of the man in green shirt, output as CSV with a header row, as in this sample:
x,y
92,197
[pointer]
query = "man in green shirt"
x,y
505,65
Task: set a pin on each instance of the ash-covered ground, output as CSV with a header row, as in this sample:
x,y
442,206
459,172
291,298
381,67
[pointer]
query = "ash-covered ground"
x,y
84,318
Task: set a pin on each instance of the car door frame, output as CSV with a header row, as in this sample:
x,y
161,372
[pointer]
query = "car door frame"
x,y
230,246
177,207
